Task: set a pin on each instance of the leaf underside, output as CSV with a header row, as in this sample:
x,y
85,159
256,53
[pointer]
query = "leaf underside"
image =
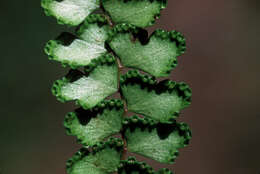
x,y
70,12
157,141
141,13
88,89
104,159
94,125
156,55
160,101
79,50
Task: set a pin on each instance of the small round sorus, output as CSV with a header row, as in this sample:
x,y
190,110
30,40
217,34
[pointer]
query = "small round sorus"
x,y
183,86
94,17
119,144
80,140
135,119
103,60
95,108
124,27
134,73
102,105
128,75
176,113
158,32
151,82
173,34
143,165
69,163
90,19
145,80
164,35
125,121
172,159
111,59
87,68
69,116
172,85
92,64
102,19
111,34
122,79
145,122
95,147
119,29
177,153
187,93
112,103
118,103
131,161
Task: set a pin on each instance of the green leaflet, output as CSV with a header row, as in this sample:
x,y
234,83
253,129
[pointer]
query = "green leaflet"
x,y
141,13
156,55
160,101
70,12
91,88
104,159
157,141
79,50
92,126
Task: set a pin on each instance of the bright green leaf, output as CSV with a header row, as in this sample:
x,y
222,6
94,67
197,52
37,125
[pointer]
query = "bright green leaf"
x,y
79,50
157,141
91,88
70,12
92,126
104,159
160,101
156,55
141,13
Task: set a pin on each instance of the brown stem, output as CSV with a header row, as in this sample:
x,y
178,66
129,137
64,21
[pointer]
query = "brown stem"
x,y
120,69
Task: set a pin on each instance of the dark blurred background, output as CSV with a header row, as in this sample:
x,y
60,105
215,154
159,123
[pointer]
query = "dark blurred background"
x,y
221,65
